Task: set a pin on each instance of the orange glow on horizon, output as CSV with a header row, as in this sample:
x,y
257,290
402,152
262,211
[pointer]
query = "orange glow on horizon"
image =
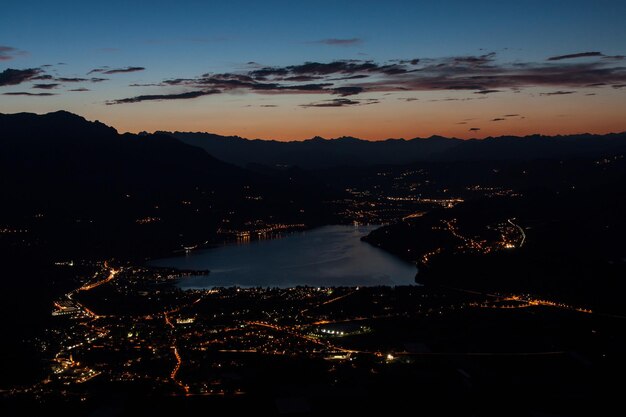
x,y
433,113
391,118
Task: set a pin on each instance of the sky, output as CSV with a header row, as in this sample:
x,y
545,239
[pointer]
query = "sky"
x,y
291,70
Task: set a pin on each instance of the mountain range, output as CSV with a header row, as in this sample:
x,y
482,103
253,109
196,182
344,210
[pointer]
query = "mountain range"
x,y
320,153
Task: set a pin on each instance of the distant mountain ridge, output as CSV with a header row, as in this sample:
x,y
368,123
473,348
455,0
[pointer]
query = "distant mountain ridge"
x,y
320,153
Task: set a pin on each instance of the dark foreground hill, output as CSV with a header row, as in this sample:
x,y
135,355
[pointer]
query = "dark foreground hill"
x,y
81,185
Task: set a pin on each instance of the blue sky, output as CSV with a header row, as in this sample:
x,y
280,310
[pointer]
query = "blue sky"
x,y
186,39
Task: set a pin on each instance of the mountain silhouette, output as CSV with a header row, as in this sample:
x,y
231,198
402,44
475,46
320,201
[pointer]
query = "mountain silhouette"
x,y
320,153
316,153
85,182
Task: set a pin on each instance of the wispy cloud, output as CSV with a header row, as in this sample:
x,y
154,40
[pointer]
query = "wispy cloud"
x,y
340,102
557,93
79,80
71,79
25,93
573,56
8,53
340,41
46,86
160,97
479,74
109,71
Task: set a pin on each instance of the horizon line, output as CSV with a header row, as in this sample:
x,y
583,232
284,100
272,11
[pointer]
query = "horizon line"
x,y
317,137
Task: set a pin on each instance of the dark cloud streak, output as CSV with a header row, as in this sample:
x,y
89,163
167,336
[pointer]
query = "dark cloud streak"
x,y
24,93
558,93
340,41
578,55
107,71
161,97
46,86
340,102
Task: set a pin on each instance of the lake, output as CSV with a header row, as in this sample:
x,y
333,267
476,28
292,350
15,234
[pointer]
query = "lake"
x,y
322,257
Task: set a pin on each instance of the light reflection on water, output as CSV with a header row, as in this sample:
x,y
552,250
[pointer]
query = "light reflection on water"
x,y
326,256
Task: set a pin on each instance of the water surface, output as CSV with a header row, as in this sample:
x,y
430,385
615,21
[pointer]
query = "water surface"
x,y
326,256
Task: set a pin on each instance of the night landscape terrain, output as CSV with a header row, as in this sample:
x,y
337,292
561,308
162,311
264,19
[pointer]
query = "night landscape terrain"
x,y
425,227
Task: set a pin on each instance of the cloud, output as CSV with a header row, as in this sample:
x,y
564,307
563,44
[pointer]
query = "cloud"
x,y
80,80
479,74
474,129
46,86
314,68
557,93
302,78
42,77
578,55
497,119
71,80
123,70
510,115
457,99
8,53
340,102
24,93
475,60
268,105
340,41
349,77
347,91
81,89
102,69
107,71
161,97
13,76
614,57
414,61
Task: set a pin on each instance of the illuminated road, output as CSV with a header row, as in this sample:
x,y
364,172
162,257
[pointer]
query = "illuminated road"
x,y
112,273
526,299
302,336
174,374
521,231
328,302
179,359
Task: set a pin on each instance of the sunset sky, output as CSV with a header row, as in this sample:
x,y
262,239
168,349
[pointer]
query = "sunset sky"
x,y
292,70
